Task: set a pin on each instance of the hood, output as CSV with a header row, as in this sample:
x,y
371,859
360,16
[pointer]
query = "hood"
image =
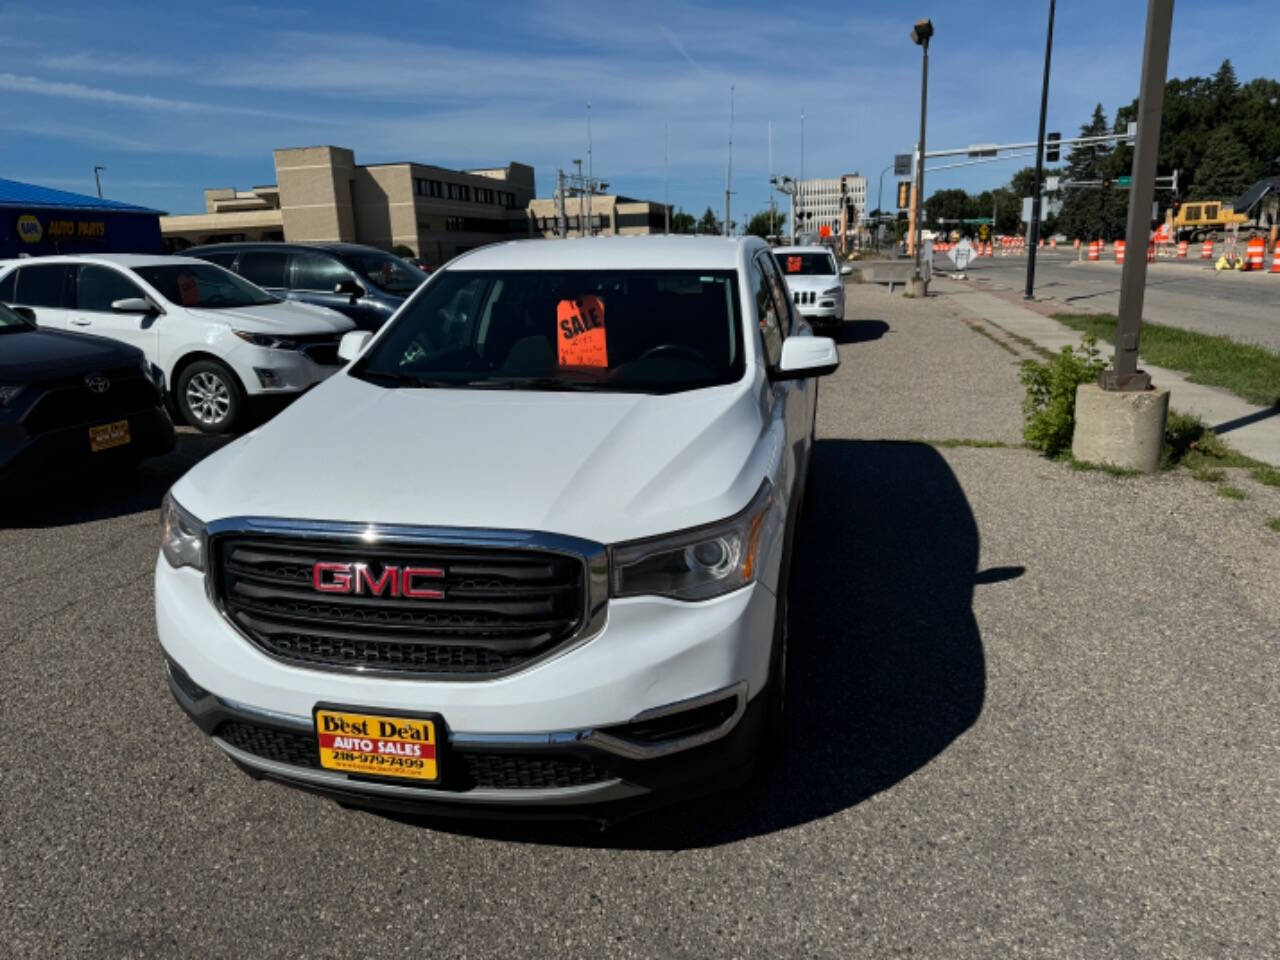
x,y
815,282
605,467
40,354
287,316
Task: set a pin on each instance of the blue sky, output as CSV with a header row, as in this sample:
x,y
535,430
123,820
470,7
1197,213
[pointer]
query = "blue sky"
x,y
175,97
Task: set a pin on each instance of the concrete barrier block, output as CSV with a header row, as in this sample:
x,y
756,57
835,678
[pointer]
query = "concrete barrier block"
x,y
1119,428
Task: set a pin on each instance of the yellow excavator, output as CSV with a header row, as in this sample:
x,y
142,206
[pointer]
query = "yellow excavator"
x,y
1196,219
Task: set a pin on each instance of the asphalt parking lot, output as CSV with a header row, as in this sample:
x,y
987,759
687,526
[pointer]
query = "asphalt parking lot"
x,y
1035,715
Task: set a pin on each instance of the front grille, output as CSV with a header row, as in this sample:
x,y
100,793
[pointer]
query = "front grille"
x,y
529,771
461,771
71,402
320,348
499,609
804,296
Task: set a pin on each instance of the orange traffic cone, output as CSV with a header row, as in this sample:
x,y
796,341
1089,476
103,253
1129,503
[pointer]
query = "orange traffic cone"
x,y
1206,250
1120,251
1275,260
1254,254
1182,249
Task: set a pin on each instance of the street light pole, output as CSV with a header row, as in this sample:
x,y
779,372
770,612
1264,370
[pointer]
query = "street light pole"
x,y
1033,231
98,180
920,35
1133,279
880,204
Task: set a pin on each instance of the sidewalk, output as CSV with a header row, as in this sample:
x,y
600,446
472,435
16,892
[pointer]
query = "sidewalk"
x,y
1254,431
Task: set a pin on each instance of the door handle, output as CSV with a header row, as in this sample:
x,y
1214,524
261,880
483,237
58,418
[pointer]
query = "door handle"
x,y
81,323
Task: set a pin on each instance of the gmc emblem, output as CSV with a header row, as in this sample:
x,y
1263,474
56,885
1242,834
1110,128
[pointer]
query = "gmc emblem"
x,y
394,581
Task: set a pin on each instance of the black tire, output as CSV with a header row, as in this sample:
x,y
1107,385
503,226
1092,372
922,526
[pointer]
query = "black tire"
x,y
209,397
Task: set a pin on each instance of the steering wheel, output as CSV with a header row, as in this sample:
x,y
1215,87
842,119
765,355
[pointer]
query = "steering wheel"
x,y
673,348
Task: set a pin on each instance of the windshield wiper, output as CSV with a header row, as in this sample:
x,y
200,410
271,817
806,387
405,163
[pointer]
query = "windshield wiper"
x,y
530,383
408,379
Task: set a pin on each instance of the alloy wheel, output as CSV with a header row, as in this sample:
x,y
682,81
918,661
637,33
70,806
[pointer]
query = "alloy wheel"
x,y
208,398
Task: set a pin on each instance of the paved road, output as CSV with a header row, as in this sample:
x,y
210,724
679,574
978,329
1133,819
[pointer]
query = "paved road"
x,y
1181,293
1036,717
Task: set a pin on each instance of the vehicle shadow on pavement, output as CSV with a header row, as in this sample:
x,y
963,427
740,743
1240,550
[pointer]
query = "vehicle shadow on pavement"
x,y
886,659
861,331
63,500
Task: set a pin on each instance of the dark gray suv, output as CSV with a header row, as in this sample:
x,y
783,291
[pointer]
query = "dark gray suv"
x,y
365,283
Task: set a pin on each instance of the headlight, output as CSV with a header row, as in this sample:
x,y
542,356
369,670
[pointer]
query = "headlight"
x,y
183,538
703,562
269,340
9,392
832,291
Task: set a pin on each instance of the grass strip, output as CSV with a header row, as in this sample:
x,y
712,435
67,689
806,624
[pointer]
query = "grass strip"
x,y
1274,524
977,328
1250,372
1230,492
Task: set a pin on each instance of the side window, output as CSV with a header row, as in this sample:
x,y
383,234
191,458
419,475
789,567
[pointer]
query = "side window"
x,y
42,286
781,292
99,287
224,260
266,268
6,287
315,271
767,313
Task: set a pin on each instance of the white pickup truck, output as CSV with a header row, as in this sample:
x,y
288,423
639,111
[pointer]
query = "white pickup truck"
x,y
527,552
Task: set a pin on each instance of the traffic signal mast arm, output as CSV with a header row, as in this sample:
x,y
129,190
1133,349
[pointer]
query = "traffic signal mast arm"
x,y
987,149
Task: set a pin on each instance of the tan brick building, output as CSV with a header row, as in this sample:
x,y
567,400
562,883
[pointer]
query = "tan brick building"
x,y
610,216
322,194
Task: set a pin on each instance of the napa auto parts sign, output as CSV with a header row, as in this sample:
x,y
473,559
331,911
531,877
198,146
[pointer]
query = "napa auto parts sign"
x,y
31,230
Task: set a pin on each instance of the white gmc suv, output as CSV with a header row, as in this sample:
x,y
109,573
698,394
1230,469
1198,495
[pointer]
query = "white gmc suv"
x,y
527,553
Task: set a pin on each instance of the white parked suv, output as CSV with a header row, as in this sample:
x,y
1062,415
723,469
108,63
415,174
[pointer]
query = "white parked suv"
x,y
214,338
816,283
529,550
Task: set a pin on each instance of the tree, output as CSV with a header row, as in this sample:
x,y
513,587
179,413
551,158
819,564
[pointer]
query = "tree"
x,y
1226,170
766,223
709,223
949,204
682,222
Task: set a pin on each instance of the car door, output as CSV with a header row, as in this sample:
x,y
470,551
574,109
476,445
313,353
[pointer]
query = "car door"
x,y
312,279
46,288
798,396
269,269
97,288
778,392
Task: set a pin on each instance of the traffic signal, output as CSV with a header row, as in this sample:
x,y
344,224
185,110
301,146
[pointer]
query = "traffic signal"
x,y
904,194
1106,183
1051,149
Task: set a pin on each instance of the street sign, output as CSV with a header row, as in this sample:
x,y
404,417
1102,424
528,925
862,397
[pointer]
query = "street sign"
x,y
1050,184
902,164
982,150
1124,181
962,253
984,231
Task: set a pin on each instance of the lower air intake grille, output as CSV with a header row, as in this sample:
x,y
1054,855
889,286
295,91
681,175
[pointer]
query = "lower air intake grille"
x,y
462,771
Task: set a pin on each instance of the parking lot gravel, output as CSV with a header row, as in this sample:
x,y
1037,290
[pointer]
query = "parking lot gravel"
x,y
1036,716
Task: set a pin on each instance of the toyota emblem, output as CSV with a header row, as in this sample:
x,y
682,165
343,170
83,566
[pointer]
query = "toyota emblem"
x,y
97,383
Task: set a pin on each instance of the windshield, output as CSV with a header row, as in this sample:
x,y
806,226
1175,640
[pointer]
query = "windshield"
x,y
203,285
640,331
10,322
806,264
389,274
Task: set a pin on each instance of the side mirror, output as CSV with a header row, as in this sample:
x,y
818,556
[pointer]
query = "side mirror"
x,y
134,305
352,344
804,357
846,270
26,313
350,288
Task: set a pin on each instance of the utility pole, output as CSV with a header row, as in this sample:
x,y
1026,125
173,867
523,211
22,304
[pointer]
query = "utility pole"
x,y
921,34
666,174
728,176
98,180
562,223
773,207
1133,278
582,213
1033,230
591,180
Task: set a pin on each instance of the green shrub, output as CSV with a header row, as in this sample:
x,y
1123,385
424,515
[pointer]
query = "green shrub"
x,y
400,250
1274,524
1050,404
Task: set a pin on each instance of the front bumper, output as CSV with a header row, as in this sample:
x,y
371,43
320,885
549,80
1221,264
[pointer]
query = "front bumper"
x,y
26,456
566,725
265,371
570,774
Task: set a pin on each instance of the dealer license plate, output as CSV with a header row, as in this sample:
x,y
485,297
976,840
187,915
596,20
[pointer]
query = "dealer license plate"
x,y
109,435
377,744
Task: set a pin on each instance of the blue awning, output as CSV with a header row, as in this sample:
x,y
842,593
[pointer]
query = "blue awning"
x,y
14,193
